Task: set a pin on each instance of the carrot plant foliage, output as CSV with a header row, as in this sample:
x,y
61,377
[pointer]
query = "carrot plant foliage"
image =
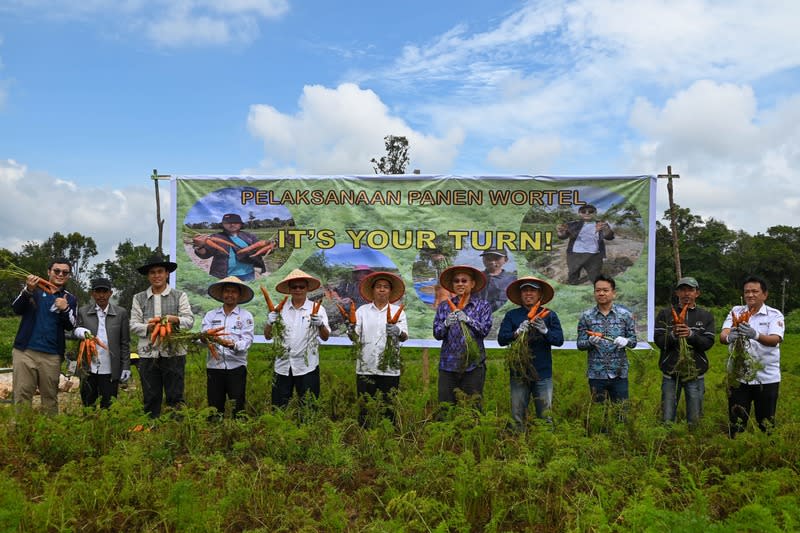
x,y
315,468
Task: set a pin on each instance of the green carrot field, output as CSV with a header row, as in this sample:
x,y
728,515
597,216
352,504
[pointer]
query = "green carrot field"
x,y
318,470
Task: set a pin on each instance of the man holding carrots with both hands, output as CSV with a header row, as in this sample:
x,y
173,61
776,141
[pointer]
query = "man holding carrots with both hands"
x,y
305,322
226,365
539,329
684,333
161,368
233,252
462,324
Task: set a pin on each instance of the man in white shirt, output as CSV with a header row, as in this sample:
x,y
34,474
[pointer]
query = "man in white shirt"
x,y
586,248
298,368
101,375
226,366
762,333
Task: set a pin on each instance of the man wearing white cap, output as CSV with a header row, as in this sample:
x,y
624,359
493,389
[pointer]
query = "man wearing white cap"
x,y
298,369
542,333
226,367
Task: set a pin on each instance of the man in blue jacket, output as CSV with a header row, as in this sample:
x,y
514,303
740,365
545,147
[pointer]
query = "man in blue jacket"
x,y
541,333
40,341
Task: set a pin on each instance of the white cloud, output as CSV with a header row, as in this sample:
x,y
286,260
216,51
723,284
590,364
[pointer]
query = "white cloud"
x,y
338,131
738,164
169,23
536,154
36,205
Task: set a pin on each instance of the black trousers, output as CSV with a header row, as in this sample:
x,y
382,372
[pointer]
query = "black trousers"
x,y
764,399
591,263
222,384
162,375
470,383
98,385
283,386
371,385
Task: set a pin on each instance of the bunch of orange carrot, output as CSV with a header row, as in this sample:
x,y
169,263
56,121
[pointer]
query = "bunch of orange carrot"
x,y
88,349
390,357
216,337
162,329
13,271
518,357
473,352
742,366
277,350
685,366
350,319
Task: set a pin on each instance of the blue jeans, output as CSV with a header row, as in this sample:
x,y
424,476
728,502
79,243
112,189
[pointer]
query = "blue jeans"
x,y
521,392
671,395
615,389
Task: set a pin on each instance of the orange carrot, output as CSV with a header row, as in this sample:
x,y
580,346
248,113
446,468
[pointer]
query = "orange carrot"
x,y
100,343
594,334
462,303
279,307
396,316
342,310
534,310
264,250
168,325
46,286
543,313
154,335
213,244
252,247
317,305
352,313
213,350
682,316
81,349
388,314
222,242
675,318
270,305
451,304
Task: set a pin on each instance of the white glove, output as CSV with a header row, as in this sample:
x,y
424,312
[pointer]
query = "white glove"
x,y
620,341
272,317
392,330
81,332
733,334
595,340
525,326
748,331
451,319
125,376
540,326
315,320
462,316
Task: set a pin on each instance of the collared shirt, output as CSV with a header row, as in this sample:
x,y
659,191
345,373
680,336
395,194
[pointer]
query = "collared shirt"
x,y
300,339
587,241
371,329
766,321
454,347
147,305
539,346
102,363
606,360
239,326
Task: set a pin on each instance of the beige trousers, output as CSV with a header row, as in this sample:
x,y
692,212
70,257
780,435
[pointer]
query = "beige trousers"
x,y
36,369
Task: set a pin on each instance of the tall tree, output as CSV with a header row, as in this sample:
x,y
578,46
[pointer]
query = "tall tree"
x,y
78,248
396,159
122,271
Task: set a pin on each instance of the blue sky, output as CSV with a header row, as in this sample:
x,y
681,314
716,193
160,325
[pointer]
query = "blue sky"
x,y
97,93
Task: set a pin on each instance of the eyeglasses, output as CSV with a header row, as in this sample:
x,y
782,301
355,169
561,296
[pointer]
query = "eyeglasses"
x,y
59,272
293,287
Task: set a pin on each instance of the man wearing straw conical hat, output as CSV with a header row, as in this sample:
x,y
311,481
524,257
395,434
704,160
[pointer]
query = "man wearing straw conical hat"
x,y
298,369
378,368
531,374
462,360
226,367
161,368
